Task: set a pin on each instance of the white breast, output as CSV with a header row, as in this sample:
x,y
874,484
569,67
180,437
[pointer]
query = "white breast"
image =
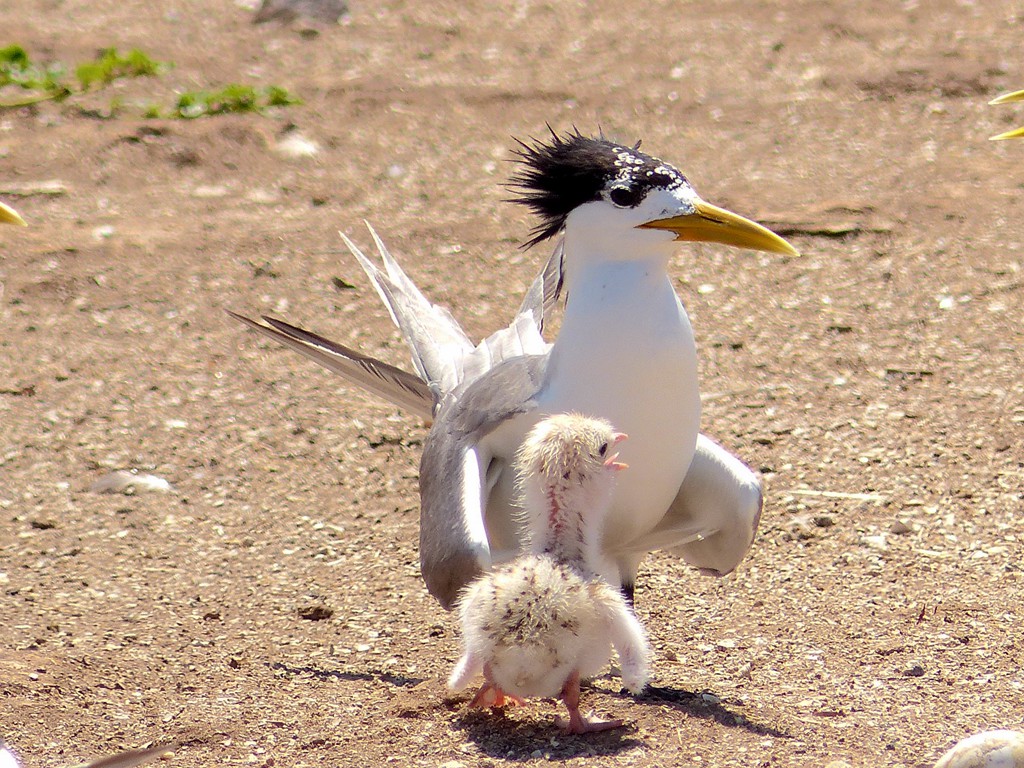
x,y
626,353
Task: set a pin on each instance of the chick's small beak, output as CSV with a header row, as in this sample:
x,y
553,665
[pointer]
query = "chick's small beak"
x,y
710,224
612,462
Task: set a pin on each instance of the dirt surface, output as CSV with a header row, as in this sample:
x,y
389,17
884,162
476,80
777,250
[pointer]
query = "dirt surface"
x,y
268,609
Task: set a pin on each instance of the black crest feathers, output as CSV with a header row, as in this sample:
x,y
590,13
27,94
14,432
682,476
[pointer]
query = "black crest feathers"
x,y
564,173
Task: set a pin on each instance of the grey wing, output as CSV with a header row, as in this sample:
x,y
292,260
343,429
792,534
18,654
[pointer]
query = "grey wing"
x,y
546,288
454,546
438,344
404,389
522,337
713,519
553,276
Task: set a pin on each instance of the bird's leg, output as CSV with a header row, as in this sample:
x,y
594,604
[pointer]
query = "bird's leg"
x,y
491,695
577,723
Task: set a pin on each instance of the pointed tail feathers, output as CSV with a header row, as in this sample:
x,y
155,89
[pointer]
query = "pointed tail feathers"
x,y
437,341
443,356
402,388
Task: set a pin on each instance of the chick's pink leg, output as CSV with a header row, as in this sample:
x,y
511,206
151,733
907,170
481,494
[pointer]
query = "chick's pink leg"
x,y
491,695
576,722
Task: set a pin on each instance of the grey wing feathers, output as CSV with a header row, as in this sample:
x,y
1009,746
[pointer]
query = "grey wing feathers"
x,y
469,390
543,293
442,353
723,496
507,390
451,556
402,388
437,342
713,519
553,275
518,339
451,501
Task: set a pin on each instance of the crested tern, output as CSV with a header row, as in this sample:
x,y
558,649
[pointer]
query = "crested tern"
x,y
625,352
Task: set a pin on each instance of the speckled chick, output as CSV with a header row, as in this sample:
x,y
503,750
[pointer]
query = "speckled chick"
x,y
991,749
537,625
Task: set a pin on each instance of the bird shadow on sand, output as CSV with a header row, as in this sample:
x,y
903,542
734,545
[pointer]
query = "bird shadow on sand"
x,y
399,681
706,706
513,737
498,735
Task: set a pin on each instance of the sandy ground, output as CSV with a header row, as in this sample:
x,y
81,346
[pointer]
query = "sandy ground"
x,y
268,609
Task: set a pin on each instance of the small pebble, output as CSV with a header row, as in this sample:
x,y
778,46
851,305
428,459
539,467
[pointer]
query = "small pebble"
x,y
210,191
876,542
294,145
128,483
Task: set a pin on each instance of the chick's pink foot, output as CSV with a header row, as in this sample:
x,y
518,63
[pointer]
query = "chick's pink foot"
x,y
491,695
577,723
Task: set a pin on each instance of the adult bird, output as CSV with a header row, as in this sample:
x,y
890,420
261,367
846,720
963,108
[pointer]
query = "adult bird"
x,y
10,216
625,352
1016,133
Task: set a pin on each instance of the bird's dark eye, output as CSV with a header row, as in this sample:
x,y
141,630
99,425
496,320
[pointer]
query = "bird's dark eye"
x,y
603,449
624,197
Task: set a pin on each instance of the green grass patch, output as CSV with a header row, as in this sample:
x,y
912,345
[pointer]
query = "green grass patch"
x,y
53,82
230,98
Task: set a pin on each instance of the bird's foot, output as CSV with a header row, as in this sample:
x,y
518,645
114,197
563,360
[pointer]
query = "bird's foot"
x,y
577,723
491,695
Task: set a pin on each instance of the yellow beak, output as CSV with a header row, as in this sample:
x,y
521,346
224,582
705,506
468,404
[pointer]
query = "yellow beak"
x,y
1016,133
1004,99
1007,97
10,216
711,224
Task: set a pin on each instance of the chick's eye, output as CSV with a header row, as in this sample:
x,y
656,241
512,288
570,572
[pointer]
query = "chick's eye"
x,y
624,197
603,449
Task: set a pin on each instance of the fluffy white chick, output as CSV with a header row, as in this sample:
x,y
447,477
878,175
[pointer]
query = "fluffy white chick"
x,y
537,625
